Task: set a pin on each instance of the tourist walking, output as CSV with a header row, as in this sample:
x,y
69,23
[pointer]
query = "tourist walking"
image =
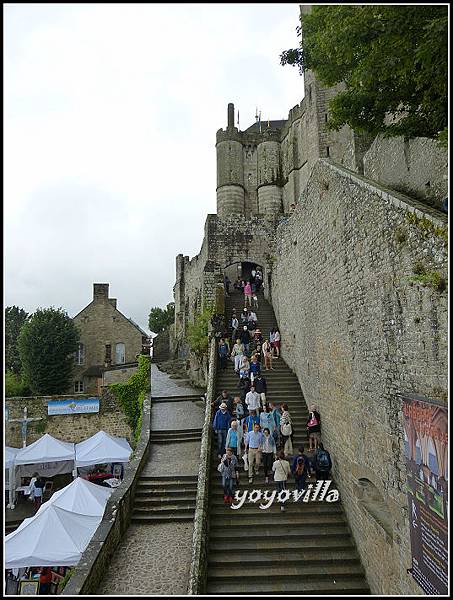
x,y
254,368
228,469
245,338
238,410
221,424
250,421
322,463
267,420
234,326
244,367
266,349
258,280
300,469
36,489
252,400
286,430
255,301
314,428
254,443
269,452
224,351
234,438
277,343
236,354
248,294
281,470
276,413
261,387
224,397
244,387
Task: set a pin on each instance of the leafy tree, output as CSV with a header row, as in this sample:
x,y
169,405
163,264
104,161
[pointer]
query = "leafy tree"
x,y
14,386
159,318
47,342
15,317
393,59
197,335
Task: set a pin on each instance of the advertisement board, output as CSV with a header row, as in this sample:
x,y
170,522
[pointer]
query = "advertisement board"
x,y
73,406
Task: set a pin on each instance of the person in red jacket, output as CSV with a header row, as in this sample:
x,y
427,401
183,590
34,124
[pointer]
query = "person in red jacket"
x,y
45,578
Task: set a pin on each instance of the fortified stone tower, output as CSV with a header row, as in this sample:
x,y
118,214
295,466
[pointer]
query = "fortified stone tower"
x,y
249,169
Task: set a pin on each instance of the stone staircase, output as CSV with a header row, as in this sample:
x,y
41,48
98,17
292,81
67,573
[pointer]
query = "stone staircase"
x,y
308,549
162,499
170,436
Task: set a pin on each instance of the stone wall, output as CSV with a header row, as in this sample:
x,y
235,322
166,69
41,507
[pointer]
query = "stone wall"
x,y
417,167
119,375
358,330
94,561
68,428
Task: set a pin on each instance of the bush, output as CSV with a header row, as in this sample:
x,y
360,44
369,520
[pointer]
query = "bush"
x,y
132,394
197,336
15,386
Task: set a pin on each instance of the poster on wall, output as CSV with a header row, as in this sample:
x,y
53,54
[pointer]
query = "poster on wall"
x,y
426,452
73,406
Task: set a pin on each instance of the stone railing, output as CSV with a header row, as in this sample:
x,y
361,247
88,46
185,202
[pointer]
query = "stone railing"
x,y
197,575
95,560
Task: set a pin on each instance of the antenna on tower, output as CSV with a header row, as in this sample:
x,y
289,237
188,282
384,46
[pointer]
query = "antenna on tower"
x,y
256,115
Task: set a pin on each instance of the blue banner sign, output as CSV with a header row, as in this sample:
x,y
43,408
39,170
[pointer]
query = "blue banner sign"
x,y
73,406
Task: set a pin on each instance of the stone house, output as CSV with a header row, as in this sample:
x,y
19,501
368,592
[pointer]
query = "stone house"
x,y
109,341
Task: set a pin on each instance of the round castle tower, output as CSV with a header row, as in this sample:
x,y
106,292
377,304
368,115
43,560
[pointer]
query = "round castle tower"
x,y
230,170
269,190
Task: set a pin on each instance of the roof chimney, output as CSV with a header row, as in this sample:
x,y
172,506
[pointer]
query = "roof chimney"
x,y
113,302
101,292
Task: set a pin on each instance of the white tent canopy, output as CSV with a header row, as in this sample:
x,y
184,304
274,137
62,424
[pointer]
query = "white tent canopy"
x,y
81,497
53,537
45,450
102,448
10,453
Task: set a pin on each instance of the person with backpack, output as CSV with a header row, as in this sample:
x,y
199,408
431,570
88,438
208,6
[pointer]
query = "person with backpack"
x,y
276,413
255,368
267,420
281,469
221,424
269,453
223,397
314,428
322,463
234,326
300,469
261,388
228,469
245,338
238,410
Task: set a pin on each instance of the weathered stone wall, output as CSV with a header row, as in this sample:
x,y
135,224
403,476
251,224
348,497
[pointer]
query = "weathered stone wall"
x,y
119,375
68,428
417,167
357,331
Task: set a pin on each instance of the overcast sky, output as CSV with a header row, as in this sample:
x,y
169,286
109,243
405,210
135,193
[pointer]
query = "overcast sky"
x,y
110,117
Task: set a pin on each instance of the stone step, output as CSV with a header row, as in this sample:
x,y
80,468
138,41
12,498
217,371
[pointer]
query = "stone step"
x,y
314,510
175,431
354,585
166,492
167,478
165,510
291,546
183,499
265,519
175,440
282,533
158,518
329,571
192,397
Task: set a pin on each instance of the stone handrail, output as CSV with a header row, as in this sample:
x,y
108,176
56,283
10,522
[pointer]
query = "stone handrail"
x,y
94,562
197,574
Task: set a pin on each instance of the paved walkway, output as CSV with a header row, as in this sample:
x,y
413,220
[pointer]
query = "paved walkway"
x,y
155,559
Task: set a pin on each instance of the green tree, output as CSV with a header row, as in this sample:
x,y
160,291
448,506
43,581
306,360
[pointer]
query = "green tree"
x,y
393,60
15,317
47,342
14,386
159,318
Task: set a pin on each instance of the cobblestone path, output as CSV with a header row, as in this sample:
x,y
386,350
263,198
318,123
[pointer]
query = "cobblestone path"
x,y
155,558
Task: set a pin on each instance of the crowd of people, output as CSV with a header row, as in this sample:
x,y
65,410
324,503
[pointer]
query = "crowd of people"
x,y
248,427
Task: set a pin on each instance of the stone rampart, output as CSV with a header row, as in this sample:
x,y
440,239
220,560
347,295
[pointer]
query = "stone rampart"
x,y
359,294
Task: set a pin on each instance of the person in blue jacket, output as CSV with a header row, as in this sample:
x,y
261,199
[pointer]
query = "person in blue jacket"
x,y
221,424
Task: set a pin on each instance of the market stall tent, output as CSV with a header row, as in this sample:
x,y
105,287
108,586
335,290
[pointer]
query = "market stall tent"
x,y
10,454
102,448
81,497
55,536
48,456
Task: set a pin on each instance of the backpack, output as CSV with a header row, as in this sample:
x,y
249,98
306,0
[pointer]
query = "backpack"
x,y
323,460
300,468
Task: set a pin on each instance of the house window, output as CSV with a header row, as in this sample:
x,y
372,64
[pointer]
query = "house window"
x,y
120,354
80,355
108,354
78,386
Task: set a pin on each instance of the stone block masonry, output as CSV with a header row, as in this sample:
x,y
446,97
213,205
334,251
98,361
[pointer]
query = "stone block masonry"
x,y
358,328
68,428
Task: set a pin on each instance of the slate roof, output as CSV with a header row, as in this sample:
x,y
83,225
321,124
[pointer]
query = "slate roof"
x,y
272,125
